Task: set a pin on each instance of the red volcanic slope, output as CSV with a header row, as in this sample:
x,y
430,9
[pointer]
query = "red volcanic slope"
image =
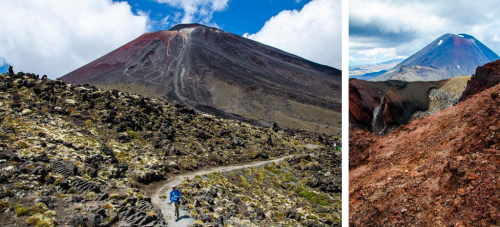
x,y
486,76
440,170
96,70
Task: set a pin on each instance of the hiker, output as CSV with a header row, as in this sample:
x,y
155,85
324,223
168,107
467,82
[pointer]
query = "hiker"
x,y
175,196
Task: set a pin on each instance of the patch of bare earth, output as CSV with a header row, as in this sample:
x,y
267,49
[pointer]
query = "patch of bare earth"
x,y
440,170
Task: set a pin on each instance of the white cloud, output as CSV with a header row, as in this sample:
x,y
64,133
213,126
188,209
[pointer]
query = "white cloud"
x,y
313,33
408,26
496,38
54,37
198,11
381,52
351,58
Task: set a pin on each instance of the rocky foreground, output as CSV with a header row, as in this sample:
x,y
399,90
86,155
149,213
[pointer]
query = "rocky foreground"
x,y
74,155
301,191
439,170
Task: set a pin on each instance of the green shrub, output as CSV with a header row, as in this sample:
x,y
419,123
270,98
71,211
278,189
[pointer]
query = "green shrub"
x,y
49,213
315,198
4,205
39,208
117,196
39,220
22,211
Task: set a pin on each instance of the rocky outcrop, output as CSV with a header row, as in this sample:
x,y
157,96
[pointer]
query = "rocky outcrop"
x,y
139,213
486,76
402,100
65,168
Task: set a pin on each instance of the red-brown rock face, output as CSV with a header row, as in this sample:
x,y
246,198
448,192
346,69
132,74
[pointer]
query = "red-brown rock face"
x,y
486,76
402,100
439,170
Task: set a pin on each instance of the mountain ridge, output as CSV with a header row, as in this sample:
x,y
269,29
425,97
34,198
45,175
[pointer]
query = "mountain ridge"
x,y
224,74
452,55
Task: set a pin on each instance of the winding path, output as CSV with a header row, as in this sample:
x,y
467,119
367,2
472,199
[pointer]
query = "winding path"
x,y
164,189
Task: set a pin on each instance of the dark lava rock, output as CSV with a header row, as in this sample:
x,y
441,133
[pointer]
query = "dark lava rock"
x,y
94,219
102,196
486,76
76,199
42,158
205,218
84,186
149,177
121,169
219,221
110,117
95,161
107,150
3,178
92,172
237,200
122,138
326,221
65,168
42,172
78,220
292,215
47,200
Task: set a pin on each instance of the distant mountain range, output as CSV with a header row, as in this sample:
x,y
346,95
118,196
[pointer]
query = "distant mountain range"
x,y
369,71
448,56
224,74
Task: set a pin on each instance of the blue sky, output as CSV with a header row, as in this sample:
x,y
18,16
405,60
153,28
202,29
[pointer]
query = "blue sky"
x,y
4,67
241,16
55,37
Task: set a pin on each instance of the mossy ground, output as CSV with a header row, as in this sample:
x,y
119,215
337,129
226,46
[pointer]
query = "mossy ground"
x,y
274,194
55,134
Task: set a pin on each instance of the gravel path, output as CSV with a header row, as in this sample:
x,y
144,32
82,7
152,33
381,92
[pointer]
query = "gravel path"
x,y
165,188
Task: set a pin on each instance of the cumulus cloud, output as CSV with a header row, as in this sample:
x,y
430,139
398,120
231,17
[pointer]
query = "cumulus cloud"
x,y
314,32
408,26
54,37
198,11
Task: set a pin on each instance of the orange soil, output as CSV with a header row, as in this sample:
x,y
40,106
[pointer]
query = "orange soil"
x,y
441,170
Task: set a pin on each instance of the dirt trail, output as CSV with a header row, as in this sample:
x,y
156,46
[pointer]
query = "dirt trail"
x,y
164,188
